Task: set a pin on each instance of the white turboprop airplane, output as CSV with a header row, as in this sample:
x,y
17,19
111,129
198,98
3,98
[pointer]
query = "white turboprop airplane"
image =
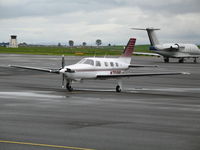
x,y
100,68
170,50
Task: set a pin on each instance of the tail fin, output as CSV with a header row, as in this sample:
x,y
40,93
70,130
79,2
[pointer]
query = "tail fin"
x,y
152,35
129,48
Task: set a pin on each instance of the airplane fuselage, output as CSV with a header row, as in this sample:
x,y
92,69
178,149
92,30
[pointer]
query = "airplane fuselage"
x,y
177,50
89,68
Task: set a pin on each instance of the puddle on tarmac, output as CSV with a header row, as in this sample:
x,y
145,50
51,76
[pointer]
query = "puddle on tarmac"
x,y
28,94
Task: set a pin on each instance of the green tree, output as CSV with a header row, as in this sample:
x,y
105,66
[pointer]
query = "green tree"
x,y
98,42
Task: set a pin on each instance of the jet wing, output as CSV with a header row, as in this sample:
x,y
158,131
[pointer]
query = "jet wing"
x,y
148,54
138,75
37,69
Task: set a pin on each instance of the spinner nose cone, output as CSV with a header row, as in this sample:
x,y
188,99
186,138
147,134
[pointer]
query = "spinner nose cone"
x,y
62,70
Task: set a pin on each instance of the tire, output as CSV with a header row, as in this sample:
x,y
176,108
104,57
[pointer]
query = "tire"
x,y
166,59
118,89
195,60
181,60
68,87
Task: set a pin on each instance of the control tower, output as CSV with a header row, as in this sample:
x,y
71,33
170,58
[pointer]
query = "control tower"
x,y
13,41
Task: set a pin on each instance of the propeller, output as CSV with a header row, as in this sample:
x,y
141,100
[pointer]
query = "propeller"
x,y
63,61
62,70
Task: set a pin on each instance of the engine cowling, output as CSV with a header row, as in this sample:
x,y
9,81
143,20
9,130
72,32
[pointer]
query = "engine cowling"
x,y
179,46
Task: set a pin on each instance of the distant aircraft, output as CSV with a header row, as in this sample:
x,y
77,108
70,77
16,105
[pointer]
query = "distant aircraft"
x,y
100,68
170,50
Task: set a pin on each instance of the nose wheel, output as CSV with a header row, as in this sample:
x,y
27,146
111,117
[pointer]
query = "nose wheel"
x,y
69,87
118,88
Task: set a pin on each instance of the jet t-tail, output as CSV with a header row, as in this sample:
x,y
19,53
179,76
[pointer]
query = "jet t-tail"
x,y
100,68
170,50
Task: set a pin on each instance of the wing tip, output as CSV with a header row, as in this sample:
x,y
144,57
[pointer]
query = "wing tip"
x,y
185,73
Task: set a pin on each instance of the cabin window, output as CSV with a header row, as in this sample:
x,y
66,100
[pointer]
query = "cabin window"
x,y
106,64
111,64
81,61
86,61
89,62
98,63
117,65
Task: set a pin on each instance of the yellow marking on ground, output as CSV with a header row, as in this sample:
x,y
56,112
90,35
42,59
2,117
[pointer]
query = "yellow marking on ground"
x,y
45,145
79,53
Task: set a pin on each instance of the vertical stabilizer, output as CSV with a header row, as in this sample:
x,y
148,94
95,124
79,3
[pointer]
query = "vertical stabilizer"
x,y
128,51
129,48
152,35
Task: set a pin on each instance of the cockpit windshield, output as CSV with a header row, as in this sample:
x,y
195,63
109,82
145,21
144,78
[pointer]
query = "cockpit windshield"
x,y
86,61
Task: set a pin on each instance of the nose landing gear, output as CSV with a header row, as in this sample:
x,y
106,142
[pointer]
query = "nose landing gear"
x,y
118,88
68,86
181,60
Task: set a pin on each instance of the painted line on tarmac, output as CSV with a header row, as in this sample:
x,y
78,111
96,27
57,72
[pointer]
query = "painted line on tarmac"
x,y
45,145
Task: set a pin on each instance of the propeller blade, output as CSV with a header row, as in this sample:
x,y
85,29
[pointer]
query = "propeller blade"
x,y
63,81
138,28
63,61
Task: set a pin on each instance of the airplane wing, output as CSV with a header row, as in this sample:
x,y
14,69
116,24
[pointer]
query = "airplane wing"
x,y
148,54
138,66
138,75
37,69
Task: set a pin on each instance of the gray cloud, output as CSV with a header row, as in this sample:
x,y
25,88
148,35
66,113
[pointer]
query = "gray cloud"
x,y
21,8
50,21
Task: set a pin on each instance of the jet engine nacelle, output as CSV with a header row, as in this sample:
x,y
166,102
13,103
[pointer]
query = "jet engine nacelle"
x,y
173,46
167,46
177,45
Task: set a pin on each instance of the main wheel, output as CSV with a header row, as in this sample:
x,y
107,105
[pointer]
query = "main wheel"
x,y
118,88
69,87
195,60
166,59
181,60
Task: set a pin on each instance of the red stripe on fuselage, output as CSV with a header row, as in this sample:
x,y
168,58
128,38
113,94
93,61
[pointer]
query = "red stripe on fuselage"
x,y
90,70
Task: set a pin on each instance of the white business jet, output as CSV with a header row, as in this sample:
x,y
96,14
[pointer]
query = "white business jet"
x,y
100,68
170,50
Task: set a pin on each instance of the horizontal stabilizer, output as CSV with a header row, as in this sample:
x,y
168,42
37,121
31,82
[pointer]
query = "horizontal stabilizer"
x,y
145,28
151,33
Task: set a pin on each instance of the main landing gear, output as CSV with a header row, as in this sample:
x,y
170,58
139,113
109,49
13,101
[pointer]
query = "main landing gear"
x,y
195,60
166,59
181,60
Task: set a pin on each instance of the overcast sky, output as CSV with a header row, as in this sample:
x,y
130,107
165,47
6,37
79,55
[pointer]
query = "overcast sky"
x,y
53,21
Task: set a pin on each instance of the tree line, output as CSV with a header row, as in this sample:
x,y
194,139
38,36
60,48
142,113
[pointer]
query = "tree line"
x,y
71,43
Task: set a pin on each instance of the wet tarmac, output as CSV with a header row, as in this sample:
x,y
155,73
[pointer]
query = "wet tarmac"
x,y
151,113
